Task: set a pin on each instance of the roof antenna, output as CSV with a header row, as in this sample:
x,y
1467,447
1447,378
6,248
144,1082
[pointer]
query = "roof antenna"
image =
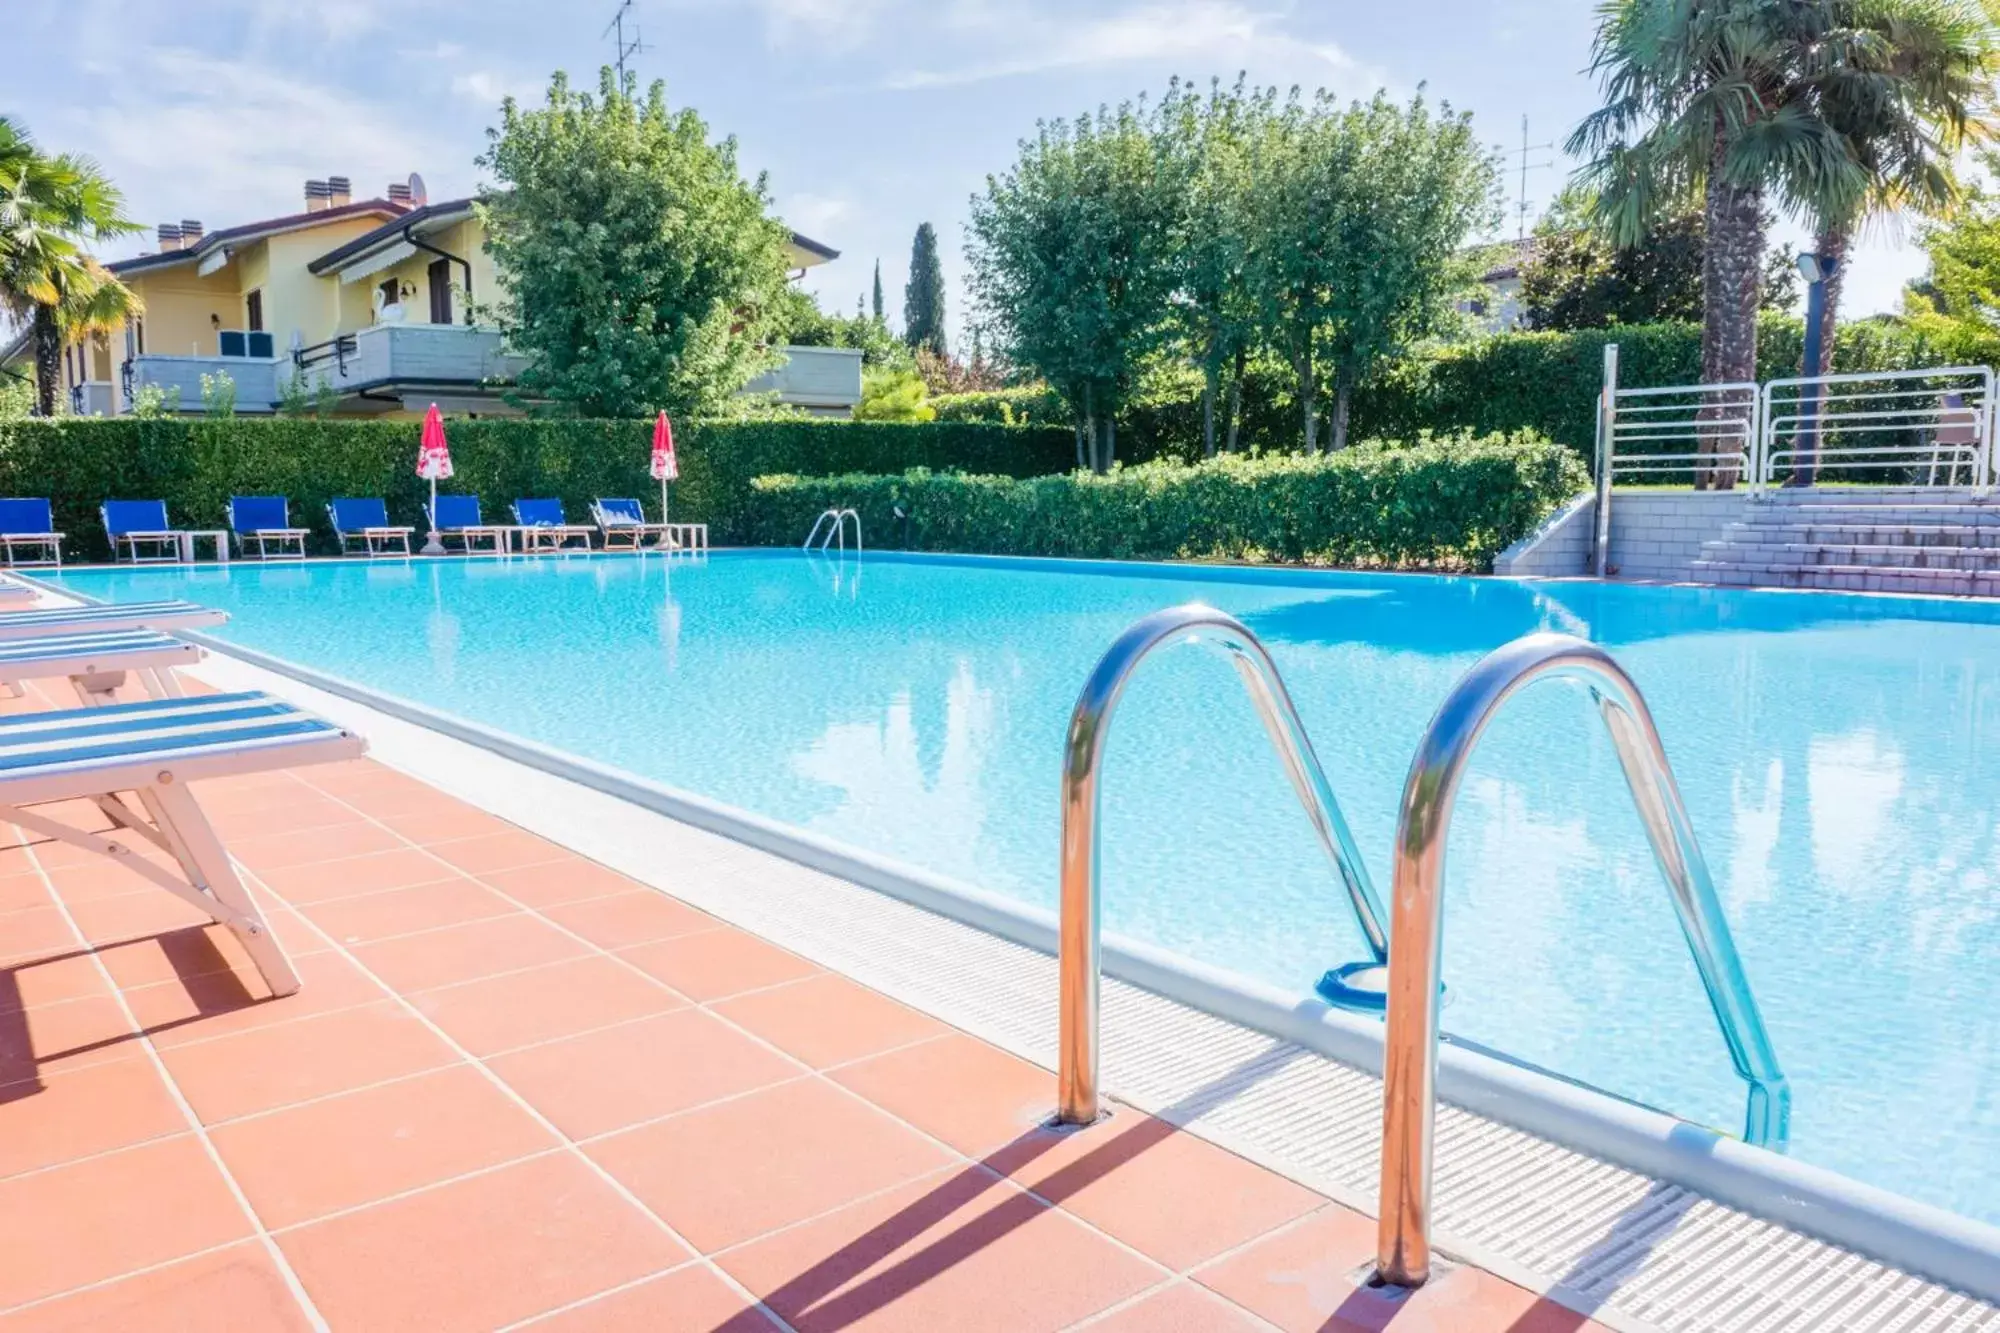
x,y
623,47
1523,152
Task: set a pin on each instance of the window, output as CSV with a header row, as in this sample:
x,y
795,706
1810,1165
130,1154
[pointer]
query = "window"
x,y
253,310
390,291
440,276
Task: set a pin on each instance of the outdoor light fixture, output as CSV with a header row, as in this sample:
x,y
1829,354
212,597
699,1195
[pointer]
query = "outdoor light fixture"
x,y
1815,269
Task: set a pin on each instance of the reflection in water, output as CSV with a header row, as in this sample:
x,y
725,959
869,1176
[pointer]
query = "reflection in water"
x,y
1853,785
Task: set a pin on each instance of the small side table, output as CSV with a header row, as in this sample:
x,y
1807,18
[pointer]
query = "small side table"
x,y
219,536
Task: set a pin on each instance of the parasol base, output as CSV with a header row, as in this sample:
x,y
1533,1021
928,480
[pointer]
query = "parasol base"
x,y
433,547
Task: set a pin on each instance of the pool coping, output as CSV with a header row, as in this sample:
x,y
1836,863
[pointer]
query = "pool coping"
x,y
1919,1238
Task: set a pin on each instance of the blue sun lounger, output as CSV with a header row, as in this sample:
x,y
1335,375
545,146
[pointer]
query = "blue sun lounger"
x,y
457,517
131,524
43,622
624,524
267,521
543,526
96,664
29,525
154,750
366,520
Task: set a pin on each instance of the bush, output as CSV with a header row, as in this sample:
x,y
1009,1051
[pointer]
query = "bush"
x,y
196,464
1435,504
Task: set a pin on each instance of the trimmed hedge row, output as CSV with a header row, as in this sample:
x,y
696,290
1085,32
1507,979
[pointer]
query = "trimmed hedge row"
x,y
195,465
1436,505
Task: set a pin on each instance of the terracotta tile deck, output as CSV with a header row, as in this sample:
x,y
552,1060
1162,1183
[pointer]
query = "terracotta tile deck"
x,y
519,1090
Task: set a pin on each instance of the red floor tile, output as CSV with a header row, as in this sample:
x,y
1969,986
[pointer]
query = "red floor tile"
x,y
106,1216
70,1035
961,1251
554,882
506,850
466,953
307,1161
829,1020
724,1175
443,821
719,963
379,916
135,916
232,1290
478,1253
1180,1308
65,1116
608,1080
25,985
290,1062
324,881
543,1003
688,1300
299,847
173,955
213,1003
972,1096
1133,1177
21,888
35,932
638,917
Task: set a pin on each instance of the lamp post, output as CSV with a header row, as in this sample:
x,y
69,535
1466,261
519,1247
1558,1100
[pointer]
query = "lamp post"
x,y
1815,269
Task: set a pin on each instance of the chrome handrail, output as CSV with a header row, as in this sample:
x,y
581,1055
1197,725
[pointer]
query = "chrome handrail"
x,y
1083,755
1409,1063
838,531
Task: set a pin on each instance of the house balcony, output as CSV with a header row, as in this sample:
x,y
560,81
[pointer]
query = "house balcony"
x,y
824,381
93,398
255,378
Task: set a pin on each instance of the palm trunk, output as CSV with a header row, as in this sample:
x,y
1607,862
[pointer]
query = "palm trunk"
x,y
1832,245
1729,291
1343,398
48,360
1236,398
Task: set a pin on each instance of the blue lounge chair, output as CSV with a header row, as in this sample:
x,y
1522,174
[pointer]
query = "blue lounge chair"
x,y
96,663
157,750
131,524
43,622
457,516
267,521
624,524
544,527
29,525
366,521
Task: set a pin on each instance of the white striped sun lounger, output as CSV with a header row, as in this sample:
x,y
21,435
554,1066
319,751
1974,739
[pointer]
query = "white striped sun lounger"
x,y
43,622
96,664
153,750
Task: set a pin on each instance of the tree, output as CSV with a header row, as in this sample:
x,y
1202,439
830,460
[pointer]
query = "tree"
x,y
923,298
1915,85
1073,260
50,209
1360,216
1704,98
877,307
1574,277
642,269
1957,303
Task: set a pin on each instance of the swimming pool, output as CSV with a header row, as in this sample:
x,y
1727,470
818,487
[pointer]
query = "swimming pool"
x,y
1840,757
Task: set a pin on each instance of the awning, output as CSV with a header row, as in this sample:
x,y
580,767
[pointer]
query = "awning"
x,y
368,265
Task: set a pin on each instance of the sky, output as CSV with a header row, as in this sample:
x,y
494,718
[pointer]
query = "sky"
x,y
868,117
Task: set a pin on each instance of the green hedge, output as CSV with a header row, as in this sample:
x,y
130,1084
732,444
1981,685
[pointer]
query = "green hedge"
x,y
1451,504
195,465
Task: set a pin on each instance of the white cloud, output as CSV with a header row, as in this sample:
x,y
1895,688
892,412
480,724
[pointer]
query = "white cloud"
x,y
488,89
1218,33
814,214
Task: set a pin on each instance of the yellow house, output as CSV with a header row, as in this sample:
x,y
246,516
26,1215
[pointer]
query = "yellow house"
x,y
372,304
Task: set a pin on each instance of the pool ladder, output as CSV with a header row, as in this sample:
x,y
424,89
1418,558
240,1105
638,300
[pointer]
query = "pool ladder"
x,y
831,527
1413,950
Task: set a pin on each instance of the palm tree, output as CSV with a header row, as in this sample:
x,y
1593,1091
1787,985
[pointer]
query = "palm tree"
x,y
1703,97
1916,87
50,207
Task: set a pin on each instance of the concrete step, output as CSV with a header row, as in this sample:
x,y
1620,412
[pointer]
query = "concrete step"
x,y
1888,557
1898,515
1850,578
1867,534
1882,495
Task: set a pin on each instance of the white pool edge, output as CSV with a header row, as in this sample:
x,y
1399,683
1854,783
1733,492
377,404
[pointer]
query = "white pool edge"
x,y
1916,1237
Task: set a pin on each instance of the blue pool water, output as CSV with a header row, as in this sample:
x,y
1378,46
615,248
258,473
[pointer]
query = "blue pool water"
x,y
1840,757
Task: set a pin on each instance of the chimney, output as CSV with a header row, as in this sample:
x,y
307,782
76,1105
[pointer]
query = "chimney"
x,y
339,190
399,193
190,233
170,237
318,196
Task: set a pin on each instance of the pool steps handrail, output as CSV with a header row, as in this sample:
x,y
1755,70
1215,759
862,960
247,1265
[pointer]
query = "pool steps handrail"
x,y
1079,929
1410,1053
825,535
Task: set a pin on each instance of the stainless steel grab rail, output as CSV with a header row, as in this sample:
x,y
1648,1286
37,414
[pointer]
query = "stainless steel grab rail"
x,y
1083,755
838,532
1409,1064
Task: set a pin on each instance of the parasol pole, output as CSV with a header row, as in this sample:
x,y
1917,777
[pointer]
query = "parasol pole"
x,y
434,546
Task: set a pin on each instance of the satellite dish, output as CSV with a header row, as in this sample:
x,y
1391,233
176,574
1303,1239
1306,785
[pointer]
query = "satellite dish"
x,y
418,195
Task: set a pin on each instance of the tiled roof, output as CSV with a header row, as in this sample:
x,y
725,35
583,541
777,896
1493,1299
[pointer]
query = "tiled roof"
x,y
251,231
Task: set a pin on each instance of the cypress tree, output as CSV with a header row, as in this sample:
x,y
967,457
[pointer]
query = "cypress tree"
x,y
878,291
923,299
